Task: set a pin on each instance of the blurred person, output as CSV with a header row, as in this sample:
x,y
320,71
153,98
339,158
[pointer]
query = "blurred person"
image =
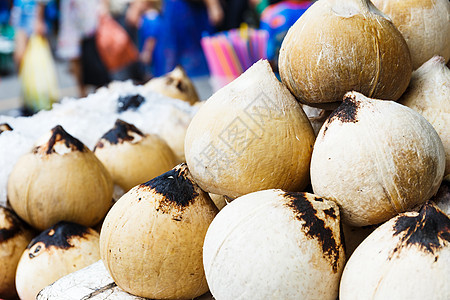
x,y
171,36
184,22
276,19
149,26
27,18
78,21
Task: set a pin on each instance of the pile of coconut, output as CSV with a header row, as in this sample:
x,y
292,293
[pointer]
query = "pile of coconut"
x,y
267,203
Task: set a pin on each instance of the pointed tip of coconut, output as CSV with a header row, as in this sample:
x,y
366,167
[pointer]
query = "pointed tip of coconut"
x,y
127,102
427,230
347,112
435,63
176,186
122,132
5,127
58,236
58,141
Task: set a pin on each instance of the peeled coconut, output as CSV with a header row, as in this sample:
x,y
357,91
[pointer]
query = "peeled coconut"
x,y
338,46
429,94
151,240
408,257
14,238
62,249
250,135
60,179
175,84
274,244
425,25
5,127
376,159
132,157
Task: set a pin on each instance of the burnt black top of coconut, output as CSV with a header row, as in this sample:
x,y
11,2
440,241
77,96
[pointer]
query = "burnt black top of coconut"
x,y
346,112
14,229
60,234
60,135
174,186
427,230
5,127
120,133
314,226
129,102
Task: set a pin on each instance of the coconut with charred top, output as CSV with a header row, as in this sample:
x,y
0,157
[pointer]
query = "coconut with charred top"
x,y
62,249
60,179
376,159
175,84
14,238
425,25
408,257
132,157
5,127
275,245
429,94
251,135
151,240
338,46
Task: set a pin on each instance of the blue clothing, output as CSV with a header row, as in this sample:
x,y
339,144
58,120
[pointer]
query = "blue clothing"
x,y
24,13
178,32
151,27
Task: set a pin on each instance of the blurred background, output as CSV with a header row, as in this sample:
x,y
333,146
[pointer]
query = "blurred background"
x,y
51,49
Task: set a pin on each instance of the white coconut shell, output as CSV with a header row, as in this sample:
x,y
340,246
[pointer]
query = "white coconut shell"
x,y
251,135
60,250
92,282
275,245
151,240
408,257
425,25
429,94
60,180
376,159
132,157
338,46
175,84
14,238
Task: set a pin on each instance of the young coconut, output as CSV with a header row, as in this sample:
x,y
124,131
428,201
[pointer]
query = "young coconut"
x,y
275,245
60,179
175,84
429,94
408,257
14,238
424,24
338,46
251,135
62,249
376,159
151,240
132,157
5,127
